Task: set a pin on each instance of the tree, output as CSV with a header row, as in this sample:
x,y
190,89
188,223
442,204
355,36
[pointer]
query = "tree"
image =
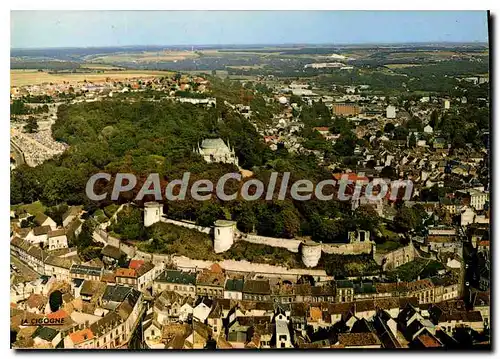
x,y
55,300
388,172
366,218
412,141
208,213
245,217
346,144
31,125
129,223
405,220
434,121
400,133
389,127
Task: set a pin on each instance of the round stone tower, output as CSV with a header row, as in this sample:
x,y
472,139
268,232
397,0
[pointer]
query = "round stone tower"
x,y
152,213
223,235
311,253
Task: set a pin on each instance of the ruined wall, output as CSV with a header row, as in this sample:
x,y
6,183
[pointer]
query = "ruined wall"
x,y
291,244
396,257
347,248
189,225
187,264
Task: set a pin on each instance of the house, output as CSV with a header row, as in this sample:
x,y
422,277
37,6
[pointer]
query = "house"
x,y
239,329
257,290
260,336
111,254
439,143
386,329
298,314
425,341
210,282
283,338
282,312
233,289
170,306
359,340
481,303
339,312
71,214
47,338
174,335
214,320
364,308
153,332
59,267
411,323
283,292
90,288
428,129
115,328
85,272
38,235
57,239
80,339
140,278
345,291
36,303
202,309
183,283
448,321
32,255
43,220
199,336
475,198
445,288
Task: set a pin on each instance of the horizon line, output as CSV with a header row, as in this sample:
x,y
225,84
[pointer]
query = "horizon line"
x,y
472,42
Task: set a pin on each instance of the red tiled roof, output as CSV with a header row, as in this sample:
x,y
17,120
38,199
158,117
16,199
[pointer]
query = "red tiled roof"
x,y
57,315
351,176
215,268
125,272
135,263
81,336
428,341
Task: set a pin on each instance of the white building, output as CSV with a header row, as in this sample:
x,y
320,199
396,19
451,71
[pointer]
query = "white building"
x,y
478,199
428,129
283,339
214,150
390,112
57,239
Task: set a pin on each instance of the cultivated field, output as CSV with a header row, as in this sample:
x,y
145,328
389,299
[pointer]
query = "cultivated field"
x,y
149,56
98,66
401,66
34,77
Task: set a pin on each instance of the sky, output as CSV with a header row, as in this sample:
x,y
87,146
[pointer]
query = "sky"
x,y
39,29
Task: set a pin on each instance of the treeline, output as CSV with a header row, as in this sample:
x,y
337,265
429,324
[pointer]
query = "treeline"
x,y
18,107
44,65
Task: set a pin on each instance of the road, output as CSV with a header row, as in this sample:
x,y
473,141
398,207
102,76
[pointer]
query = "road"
x,y
18,154
24,274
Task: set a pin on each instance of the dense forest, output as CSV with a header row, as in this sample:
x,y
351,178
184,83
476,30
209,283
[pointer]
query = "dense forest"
x,y
159,137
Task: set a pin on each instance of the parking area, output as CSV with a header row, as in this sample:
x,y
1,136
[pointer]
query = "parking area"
x,y
20,272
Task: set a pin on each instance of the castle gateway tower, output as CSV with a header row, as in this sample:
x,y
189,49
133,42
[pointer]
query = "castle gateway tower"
x,y
223,235
311,253
153,211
